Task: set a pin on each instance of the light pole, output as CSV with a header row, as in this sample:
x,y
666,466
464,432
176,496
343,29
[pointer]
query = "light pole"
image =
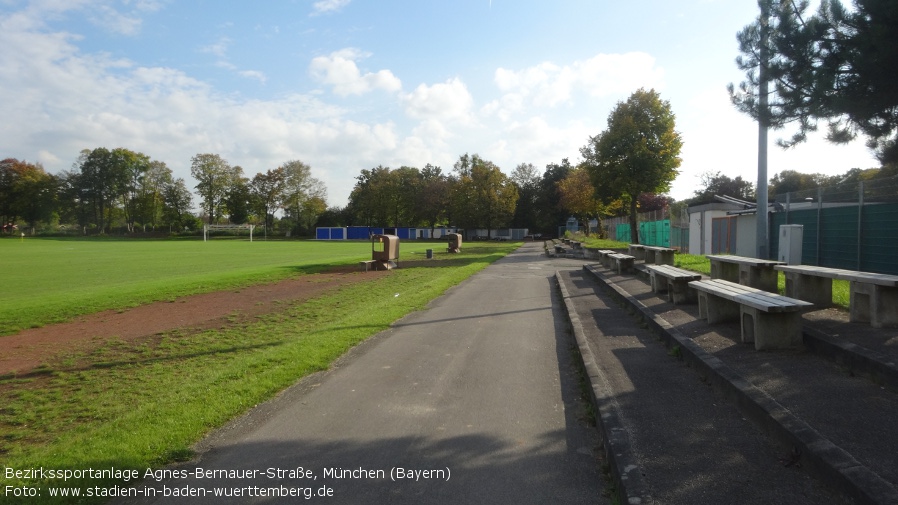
x,y
763,124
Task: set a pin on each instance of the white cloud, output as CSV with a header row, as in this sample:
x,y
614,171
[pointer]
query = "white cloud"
x,y
325,6
71,101
254,74
549,85
111,19
339,70
537,141
447,101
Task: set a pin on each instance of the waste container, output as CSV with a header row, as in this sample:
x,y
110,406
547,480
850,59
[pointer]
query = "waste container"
x,y
429,254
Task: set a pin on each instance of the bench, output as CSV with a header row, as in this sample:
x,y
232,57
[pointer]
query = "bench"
x,y
368,264
622,262
659,255
752,272
770,320
604,256
637,251
674,281
873,297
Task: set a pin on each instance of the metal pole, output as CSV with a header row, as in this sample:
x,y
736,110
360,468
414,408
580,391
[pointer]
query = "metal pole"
x,y
763,122
860,222
819,222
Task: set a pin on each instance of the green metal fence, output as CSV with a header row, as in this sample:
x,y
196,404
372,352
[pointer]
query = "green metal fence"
x,y
851,226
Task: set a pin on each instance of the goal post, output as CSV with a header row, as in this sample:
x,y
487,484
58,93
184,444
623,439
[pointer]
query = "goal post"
x,y
210,227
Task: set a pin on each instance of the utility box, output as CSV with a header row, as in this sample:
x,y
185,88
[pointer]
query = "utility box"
x,y
385,251
454,242
790,243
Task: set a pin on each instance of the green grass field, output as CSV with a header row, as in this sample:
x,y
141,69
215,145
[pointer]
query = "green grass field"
x,y
46,281
142,404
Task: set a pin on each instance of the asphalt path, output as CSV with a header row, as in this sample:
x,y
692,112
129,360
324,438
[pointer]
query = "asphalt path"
x,y
474,400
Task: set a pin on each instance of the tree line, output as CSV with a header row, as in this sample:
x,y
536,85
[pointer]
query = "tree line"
x,y
121,189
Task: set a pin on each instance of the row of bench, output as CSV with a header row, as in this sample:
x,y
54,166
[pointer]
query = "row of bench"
x,y
744,289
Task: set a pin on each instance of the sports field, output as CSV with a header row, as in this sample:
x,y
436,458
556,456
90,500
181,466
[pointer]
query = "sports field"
x,y
46,281
141,403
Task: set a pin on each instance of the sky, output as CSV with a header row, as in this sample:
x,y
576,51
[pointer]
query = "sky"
x,y
346,85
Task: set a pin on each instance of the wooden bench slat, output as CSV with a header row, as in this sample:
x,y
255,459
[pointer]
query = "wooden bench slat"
x,y
670,271
761,300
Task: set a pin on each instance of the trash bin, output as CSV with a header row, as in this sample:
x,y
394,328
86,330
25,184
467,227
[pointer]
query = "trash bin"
x,y
429,254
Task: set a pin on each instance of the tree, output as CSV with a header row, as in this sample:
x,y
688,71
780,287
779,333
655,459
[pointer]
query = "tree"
x,y
836,66
176,203
578,197
722,185
312,208
27,192
239,200
433,197
550,213
526,178
214,176
104,176
150,193
132,167
483,195
299,185
268,191
638,153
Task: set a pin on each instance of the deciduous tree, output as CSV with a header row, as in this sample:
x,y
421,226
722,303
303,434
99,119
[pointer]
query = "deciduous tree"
x,y
214,176
638,153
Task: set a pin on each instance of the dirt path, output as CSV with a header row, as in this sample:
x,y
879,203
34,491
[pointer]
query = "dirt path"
x,y
28,349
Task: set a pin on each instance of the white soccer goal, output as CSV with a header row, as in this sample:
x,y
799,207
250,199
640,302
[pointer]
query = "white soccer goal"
x,y
209,227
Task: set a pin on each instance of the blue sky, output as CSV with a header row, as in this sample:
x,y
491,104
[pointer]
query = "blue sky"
x,y
345,85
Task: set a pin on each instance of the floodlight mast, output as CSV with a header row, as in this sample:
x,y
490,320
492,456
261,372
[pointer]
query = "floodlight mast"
x,y
763,125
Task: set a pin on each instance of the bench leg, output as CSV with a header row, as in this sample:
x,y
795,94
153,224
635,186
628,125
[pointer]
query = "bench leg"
x,y
659,282
810,288
764,279
666,257
725,271
679,292
770,330
873,304
716,309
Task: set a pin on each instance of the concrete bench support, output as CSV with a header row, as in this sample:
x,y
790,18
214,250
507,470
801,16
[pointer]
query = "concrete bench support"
x,y
873,303
815,289
637,251
659,255
623,263
673,281
769,320
605,256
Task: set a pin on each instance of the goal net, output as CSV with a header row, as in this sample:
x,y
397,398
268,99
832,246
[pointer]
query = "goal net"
x,y
207,229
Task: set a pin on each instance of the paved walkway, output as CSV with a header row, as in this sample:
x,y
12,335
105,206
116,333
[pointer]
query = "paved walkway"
x,y
476,399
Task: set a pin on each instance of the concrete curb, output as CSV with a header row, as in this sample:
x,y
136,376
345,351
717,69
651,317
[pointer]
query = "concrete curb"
x,y
862,361
823,459
630,486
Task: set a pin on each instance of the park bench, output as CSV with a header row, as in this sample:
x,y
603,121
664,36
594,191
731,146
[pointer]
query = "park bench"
x,y
637,251
752,272
622,262
873,297
674,281
659,255
770,320
368,264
